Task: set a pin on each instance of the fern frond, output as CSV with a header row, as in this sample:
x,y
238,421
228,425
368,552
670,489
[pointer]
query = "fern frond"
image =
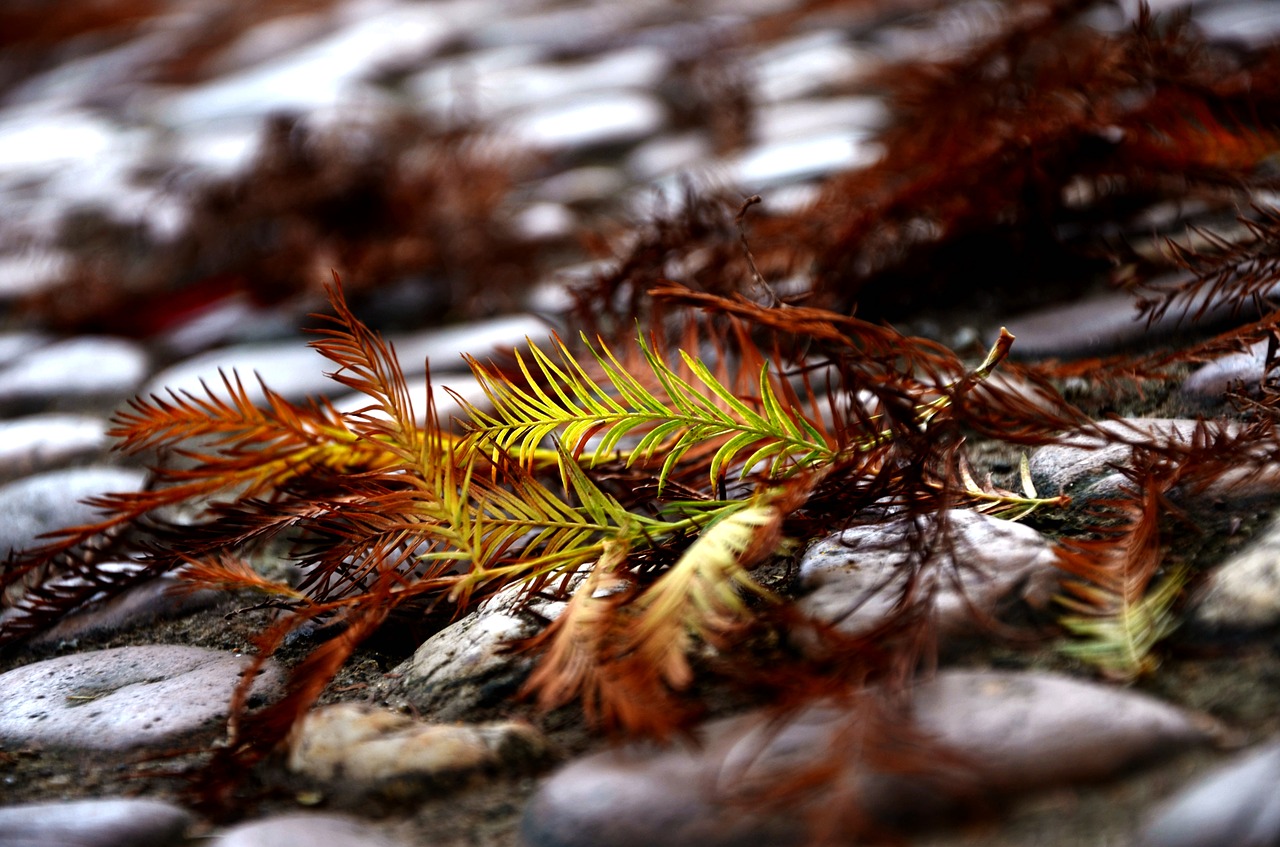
x,y
233,573
1007,505
669,422
1110,599
367,364
702,594
1120,645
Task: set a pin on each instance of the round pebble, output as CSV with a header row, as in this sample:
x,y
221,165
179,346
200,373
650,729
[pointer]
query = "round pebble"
x,y
856,578
1237,805
304,831
354,749
94,823
1012,733
1243,592
76,368
122,699
40,442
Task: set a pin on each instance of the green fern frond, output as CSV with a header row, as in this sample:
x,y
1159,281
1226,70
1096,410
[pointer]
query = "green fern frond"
x,y
1120,645
574,409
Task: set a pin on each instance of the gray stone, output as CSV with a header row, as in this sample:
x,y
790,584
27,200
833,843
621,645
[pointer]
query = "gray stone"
x,y
65,371
585,121
667,154
1238,805
1237,371
303,830
807,118
14,345
39,442
579,186
320,75
1110,322
558,29
94,823
27,273
354,750
543,222
126,698
1094,325
780,163
444,386
855,579
1252,25
1086,465
813,63
51,501
1012,732
465,666
514,86
290,368
1243,592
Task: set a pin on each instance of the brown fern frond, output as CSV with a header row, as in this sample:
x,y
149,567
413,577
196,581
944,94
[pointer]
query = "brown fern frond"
x,y
367,364
1241,273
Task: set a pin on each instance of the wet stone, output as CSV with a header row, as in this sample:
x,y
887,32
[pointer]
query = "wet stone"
x,y
289,368
51,501
1243,593
40,442
14,345
323,74
810,64
444,387
1238,805
590,121
75,370
125,698
94,823
856,578
1239,371
304,831
788,161
1110,322
1016,732
518,86
1086,466
353,750
295,371
465,666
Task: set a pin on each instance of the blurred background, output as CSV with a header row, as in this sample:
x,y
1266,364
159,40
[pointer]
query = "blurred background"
x,y
186,176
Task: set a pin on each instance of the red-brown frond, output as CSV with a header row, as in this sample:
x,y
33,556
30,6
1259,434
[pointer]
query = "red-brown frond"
x,y
367,364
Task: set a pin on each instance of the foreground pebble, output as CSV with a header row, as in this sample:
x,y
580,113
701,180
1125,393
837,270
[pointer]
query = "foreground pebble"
x,y
857,578
466,666
353,749
94,823
304,831
1010,733
125,698
1237,805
